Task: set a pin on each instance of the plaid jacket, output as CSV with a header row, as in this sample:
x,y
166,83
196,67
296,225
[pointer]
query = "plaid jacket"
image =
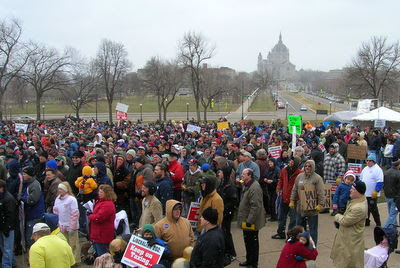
x,y
334,165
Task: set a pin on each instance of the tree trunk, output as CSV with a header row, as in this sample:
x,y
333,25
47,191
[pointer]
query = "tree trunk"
x,y
38,107
109,101
205,114
159,108
1,106
165,114
77,113
198,109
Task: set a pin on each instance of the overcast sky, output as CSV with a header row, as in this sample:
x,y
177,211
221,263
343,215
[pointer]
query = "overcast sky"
x,y
320,34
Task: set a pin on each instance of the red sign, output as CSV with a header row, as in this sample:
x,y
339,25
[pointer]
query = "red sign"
x,y
139,254
194,213
322,147
275,151
356,168
121,115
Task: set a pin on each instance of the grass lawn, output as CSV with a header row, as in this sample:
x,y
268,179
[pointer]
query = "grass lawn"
x,y
149,105
262,103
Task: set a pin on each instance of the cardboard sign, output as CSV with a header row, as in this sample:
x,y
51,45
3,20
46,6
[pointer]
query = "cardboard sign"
x,y
275,151
356,168
378,123
19,127
193,128
139,254
294,120
309,197
222,125
322,147
194,213
122,107
356,152
122,115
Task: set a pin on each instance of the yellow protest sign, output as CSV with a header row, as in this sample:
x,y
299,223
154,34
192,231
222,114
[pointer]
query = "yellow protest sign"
x,y
222,125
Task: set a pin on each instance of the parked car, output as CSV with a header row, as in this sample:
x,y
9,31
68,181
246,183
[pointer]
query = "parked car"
x,y
303,108
25,118
281,105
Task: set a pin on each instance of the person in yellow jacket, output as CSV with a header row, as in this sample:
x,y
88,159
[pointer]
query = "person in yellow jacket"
x,y
49,251
86,184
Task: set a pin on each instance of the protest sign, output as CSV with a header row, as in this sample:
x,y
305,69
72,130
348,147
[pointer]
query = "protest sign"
x,y
194,213
322,147
275,151
356,152
356,168
139,254
294,120
121,115
222,125
19,127
122,107
309,197
378,123
193,128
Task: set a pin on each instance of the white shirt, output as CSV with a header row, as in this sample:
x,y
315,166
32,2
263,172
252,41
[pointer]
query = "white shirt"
x,y
370,176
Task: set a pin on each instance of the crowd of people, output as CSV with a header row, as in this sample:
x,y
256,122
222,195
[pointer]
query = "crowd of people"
x,y
64,182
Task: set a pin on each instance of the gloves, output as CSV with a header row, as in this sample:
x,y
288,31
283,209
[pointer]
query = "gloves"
x,y
336,224
248,225
338,180
318,207
6,233
299,258
291,204
151,242
374,194
334,207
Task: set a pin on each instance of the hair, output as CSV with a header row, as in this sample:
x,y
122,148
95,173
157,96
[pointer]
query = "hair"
x,y
109,193
299,149
250,172
162,167
69,189
295,231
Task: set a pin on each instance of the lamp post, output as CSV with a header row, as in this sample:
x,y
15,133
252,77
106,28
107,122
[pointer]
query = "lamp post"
x,y
287,103
9,107
330,107
96,106
26,106
141,112
187,111
43,111
242,100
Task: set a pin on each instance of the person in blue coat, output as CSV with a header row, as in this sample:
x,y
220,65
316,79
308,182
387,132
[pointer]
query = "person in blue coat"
x,y
164,185
100,172
342,194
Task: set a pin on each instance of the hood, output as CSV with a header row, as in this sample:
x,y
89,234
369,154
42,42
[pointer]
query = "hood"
x,y
226,170
297,161
99,137
211,183
312,163
13,167
168,208
87,171
102,169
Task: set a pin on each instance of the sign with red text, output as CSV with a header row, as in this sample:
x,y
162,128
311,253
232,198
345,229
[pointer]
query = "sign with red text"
x,y
194,213
121,115
139,254
275,151
356,168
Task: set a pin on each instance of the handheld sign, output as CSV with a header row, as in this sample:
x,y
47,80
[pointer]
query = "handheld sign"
x,y
275,151
356,168
194,213
294,120
19,127
121,115
193,128
309,197
222,125
139,254
121,111
356,152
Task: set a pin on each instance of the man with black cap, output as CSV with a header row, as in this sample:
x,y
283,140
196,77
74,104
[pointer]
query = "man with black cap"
x,y
75,170
348,246
177,172
151,206
210,246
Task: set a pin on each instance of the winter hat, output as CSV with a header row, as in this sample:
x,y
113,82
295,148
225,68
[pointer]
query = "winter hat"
x,y
131,152
306,235
334,146
296,161
139,159
211,215
87,171
360,187
148,228
350,173
372,157
52,164
205,167
51,220
29,170
78,154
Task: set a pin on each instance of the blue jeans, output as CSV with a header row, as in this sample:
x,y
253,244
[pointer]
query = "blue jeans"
x,y
7,247
100,248
28,232
284,211
312,223
83,219
392,212
387,161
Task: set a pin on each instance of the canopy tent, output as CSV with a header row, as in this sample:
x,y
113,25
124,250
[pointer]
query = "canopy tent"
x,y
382,113
343,116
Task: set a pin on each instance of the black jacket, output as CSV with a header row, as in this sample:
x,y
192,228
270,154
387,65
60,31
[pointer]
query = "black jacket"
x,y
74,172
209,250
8,213
391,183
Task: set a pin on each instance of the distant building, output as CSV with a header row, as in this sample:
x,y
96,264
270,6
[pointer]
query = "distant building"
x,y
277,63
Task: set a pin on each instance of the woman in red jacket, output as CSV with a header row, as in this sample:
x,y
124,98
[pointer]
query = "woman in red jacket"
x,y
294,253
101,225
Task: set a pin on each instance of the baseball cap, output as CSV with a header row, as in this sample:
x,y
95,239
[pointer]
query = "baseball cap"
x,y
40,226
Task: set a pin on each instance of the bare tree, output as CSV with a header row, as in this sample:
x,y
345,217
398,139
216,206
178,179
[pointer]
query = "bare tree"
x,y
13,55
262,79
194,50
164,80
375,68
45,70
112,65
213,85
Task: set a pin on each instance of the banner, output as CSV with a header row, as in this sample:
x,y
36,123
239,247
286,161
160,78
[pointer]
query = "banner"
x,y
19,127
378,123
193,128
275,151
139,254
356,168
294,120
121,115
356,152
222,125
194,213
364,106
309,197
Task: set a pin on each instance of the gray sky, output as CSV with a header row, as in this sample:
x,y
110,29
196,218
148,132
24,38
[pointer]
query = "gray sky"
x,y
320,34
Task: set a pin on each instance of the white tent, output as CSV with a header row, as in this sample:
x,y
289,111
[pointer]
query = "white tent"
x,y
382,113
342,116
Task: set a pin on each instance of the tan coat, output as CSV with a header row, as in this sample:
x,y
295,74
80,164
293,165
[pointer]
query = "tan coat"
x,y
151,211
212,200
177,233
251,207
348,246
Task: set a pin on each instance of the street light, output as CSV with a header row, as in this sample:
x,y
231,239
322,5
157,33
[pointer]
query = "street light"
x,y
287,103
26,106
187,111
242,100
141,115
330,107
43,111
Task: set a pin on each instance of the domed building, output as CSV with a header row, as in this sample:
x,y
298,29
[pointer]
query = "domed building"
x,y
277,63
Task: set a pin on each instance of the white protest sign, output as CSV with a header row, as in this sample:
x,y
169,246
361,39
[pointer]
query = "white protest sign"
x,y
139,254
19,126
275,151
193,128
122,107
378,123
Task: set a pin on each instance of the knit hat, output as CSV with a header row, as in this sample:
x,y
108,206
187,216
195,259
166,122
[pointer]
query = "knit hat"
x,y
372,157
211,215
360,187
296,161
205,167
334,146
78,154
305,235
29,170
87,171
51,220
52,164
148,228
131,152
350,173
